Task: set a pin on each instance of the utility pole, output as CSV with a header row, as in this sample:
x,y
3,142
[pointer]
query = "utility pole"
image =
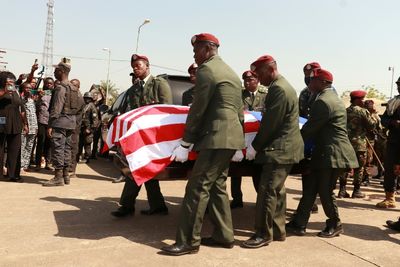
x,y
391,85
47,59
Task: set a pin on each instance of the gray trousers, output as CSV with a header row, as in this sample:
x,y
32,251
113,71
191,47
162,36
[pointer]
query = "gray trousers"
x,y
61,147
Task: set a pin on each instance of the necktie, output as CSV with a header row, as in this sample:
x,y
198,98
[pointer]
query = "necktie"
x,y
252,97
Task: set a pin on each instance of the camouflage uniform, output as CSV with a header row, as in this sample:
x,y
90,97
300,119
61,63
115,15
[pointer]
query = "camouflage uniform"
x,y
359,122
306,99
90,122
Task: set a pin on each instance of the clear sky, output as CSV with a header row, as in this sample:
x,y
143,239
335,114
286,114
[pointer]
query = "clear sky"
x,y
357,40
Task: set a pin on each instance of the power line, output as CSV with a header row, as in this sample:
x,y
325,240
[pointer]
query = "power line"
x,y
89,58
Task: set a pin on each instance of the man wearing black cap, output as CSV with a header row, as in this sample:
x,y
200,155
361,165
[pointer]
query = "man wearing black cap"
x,y
253,100
331,156
214,129
146,90
276,146
64,106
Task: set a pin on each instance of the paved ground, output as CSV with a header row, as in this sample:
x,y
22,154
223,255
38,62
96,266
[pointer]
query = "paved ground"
x,y
71,226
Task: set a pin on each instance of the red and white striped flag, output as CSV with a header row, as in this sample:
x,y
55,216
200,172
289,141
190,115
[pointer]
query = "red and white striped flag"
x,y
148,135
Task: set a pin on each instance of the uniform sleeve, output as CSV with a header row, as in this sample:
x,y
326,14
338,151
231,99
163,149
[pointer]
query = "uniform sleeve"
x,y
203,92
369,121
57,104
319,116
164,92
272,119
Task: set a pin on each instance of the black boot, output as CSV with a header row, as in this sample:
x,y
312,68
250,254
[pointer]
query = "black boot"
x,y
357,192
57,180
66,176
342,190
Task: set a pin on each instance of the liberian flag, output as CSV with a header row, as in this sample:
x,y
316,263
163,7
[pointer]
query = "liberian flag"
x,y
148,135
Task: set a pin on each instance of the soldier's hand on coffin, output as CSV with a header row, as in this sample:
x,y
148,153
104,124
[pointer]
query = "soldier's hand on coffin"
x,y
238,156
181,153
250,153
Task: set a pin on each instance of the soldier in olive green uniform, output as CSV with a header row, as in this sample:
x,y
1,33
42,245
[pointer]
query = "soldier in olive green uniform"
x,y
253,100
277,146
146,90
332,155
359,122
214,127
90,122
187,96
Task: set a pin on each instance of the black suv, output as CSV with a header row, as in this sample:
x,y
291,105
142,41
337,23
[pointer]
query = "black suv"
x,y
175,170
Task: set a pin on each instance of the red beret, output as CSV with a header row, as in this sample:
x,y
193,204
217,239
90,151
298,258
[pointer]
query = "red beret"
x,y
322,74
260,60
139,57
204,37
358,94
192,67
249,73
311,66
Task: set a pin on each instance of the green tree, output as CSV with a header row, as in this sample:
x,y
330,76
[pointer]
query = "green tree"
x,y
112,91
372,92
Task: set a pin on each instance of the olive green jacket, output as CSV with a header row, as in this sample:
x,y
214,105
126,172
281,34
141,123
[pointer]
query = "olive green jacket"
x,y
156,90
215,119
258,104
278,139
326,127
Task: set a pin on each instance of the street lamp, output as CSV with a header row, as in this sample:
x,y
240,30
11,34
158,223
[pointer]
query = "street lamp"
x,y
391,85
138,33
108,71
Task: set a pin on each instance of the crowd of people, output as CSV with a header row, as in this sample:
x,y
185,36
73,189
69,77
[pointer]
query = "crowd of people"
x,y
31,117
335,143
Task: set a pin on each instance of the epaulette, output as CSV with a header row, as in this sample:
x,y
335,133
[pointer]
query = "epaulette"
x,y
262,89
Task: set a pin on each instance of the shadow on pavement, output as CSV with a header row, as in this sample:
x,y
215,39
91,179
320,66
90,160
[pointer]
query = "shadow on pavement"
x,y
93,221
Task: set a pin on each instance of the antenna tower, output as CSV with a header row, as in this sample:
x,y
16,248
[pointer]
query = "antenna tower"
x,y
47,59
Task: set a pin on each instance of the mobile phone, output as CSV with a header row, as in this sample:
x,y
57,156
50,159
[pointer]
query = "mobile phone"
x,y
36,61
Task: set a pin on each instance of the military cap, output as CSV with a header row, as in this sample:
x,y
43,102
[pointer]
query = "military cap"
x,y
311,66
266,59
398,80
204,37
249,73
192,67
358,94
322,74
65,64
139,57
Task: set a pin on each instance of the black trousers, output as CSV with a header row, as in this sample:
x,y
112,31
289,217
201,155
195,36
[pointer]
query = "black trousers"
x,y
75,149
13,142
131,191
96,139
236,184
43,145
392,158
